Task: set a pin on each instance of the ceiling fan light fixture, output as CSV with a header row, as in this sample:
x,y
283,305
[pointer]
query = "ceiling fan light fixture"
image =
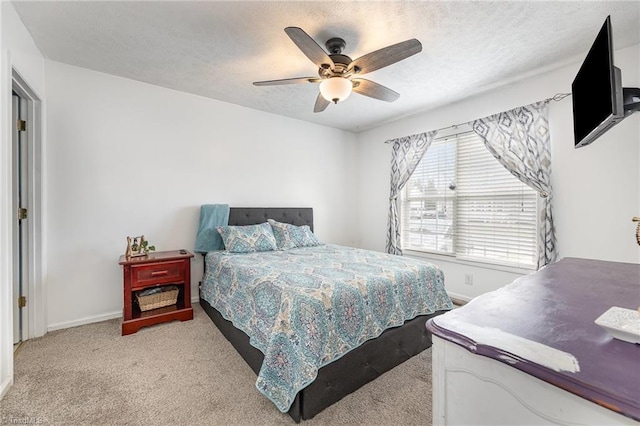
x,y
336,89
337,72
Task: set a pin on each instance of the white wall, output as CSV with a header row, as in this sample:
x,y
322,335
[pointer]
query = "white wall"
x,y
596,188
6,317
128,158
19,53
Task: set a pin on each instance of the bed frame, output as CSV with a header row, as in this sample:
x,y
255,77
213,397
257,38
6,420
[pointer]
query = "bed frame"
x,y
347,374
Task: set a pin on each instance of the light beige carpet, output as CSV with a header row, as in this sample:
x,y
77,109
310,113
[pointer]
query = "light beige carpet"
x,y
177,374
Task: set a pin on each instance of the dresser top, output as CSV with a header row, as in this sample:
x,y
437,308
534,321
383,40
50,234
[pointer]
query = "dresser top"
x,y
543,324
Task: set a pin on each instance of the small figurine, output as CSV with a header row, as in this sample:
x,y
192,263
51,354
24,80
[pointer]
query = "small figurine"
x,y
138,246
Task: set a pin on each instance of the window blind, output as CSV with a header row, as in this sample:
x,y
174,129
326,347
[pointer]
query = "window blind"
x,y
461,201
428,208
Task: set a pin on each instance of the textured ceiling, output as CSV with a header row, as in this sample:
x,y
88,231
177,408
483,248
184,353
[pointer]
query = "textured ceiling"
x,y
217,49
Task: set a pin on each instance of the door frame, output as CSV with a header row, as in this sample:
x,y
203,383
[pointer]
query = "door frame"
x,y
19,228
35,311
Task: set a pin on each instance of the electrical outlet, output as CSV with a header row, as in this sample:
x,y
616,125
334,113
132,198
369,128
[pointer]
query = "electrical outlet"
x,y
468,279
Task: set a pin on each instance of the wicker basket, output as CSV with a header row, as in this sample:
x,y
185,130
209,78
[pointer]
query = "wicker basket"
x,y
168,296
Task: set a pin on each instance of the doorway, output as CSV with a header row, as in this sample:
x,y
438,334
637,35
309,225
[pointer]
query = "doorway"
x,y
20,200
27,301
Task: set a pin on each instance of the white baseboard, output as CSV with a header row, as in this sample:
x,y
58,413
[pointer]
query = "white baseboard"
x,y
96,318
83,321
459,297
194,300
4,386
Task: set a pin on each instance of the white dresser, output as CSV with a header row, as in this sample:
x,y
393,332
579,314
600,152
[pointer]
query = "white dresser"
x,y
531,354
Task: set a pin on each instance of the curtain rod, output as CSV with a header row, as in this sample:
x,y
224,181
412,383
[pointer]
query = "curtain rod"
x,y
557,98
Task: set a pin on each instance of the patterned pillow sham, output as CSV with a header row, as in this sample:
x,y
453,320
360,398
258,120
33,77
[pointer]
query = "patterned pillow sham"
x,y
290,236
248,239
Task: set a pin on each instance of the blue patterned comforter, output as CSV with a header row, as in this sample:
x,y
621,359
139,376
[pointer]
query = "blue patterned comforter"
x,y
306,307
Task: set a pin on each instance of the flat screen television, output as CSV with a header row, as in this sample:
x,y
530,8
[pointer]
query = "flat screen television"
x,y
597,91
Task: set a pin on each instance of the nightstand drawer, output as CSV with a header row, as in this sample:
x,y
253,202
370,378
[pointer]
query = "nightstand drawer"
x,y
165,272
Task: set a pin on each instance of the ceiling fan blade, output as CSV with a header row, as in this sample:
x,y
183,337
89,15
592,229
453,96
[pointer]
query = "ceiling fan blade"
x,y
287,81
309,47
374,90
386,56
321,104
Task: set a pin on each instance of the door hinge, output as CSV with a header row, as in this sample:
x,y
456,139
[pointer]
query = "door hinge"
x,y
22,213
21,125
22,302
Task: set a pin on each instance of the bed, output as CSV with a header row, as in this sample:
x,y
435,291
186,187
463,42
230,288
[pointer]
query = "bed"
x,y
341,369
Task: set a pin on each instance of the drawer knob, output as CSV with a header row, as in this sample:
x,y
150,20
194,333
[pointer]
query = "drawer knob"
x,y
158,273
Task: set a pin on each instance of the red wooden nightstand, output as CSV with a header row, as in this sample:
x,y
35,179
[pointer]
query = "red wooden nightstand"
x,y
156,269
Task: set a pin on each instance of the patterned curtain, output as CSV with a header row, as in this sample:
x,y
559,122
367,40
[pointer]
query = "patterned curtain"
x,y
519,140
407,153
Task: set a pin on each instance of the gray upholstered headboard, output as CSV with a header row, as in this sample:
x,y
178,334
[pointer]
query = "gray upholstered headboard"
x,y
298,216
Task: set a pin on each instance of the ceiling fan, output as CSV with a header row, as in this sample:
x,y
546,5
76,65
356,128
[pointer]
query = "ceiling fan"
x,y
337,72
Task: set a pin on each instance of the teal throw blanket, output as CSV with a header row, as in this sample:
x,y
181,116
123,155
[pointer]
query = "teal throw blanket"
x,y
211,216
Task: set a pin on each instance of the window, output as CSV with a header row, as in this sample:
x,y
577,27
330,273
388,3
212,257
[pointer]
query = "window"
x,y
461,201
